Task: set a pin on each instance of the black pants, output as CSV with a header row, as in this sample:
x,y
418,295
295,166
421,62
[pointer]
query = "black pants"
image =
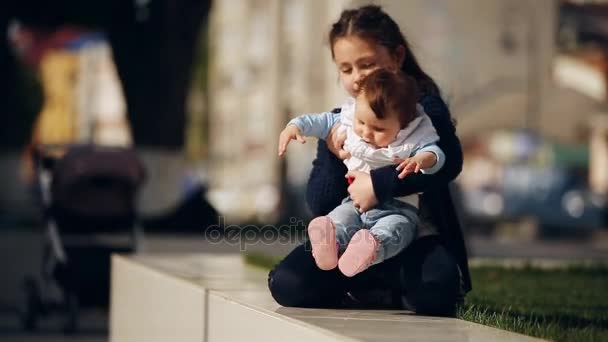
x,y
424,278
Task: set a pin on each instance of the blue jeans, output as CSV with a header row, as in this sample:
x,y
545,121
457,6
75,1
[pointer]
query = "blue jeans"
x,y
393,223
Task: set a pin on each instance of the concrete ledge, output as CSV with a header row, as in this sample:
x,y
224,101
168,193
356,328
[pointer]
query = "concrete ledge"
x,y
201,297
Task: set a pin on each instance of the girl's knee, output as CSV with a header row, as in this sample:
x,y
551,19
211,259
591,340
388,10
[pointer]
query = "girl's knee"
x,y
441,296
286,287
436,301
437,288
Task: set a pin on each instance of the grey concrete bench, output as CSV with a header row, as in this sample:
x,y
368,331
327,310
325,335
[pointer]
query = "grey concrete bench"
x,y
210,297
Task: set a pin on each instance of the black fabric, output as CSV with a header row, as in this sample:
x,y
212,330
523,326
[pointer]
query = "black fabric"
x,y
326,185
297,282
425,278
431,278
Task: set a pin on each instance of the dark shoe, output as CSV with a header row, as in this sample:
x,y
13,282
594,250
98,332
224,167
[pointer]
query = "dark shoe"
x,y
379,299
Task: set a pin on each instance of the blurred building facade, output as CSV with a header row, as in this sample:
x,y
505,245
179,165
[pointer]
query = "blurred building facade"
x,y
496,62
269,62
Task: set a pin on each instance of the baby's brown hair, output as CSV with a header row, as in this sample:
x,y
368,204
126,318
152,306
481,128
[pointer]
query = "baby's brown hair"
x,y
390,93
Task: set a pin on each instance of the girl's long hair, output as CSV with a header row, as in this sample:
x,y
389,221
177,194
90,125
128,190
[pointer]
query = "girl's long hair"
x,y
371,23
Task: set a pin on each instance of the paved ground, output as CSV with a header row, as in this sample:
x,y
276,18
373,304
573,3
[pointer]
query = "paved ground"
x,y
20,255
208,283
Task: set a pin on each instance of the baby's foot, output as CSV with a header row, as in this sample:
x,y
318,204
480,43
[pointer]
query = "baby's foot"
x,y
322,236
359,254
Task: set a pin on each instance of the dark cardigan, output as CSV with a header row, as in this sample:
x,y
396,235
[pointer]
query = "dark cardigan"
x,y
327,185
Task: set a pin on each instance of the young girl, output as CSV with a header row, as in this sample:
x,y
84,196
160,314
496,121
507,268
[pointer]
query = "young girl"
x,y
382,124
430,275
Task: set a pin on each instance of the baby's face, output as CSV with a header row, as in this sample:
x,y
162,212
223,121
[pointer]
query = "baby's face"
x,y
374,131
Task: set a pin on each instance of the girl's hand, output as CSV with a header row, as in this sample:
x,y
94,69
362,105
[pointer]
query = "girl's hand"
x,y
335,142
362,191
419,161
291,132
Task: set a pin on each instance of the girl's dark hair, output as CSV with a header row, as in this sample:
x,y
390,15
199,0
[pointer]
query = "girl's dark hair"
x,y
373,24
390,93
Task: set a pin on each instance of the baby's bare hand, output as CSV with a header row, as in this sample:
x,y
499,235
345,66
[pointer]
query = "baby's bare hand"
x,y
291,132
422,160
408,166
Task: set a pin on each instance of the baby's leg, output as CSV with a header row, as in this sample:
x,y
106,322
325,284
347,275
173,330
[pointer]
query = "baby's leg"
x,y
394,233
347,221
388,236
326,233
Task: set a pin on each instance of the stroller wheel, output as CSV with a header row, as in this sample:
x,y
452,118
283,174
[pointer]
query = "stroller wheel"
x,y
31,305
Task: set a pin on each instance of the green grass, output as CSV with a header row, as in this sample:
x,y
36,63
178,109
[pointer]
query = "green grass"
x,y
562,305
261,260
568,304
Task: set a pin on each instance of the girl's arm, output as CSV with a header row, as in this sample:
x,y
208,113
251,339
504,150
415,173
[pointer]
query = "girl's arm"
x,y
385,181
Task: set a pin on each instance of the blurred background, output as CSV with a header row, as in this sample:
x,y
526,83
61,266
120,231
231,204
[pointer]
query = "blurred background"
x,y
201,91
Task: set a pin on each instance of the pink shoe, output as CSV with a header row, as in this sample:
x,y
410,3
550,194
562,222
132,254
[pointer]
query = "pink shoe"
x,y
322,236
359,254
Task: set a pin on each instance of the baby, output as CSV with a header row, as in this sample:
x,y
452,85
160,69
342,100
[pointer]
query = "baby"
x,y
383,123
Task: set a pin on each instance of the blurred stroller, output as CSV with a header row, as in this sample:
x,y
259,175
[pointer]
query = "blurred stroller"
x,y
88,194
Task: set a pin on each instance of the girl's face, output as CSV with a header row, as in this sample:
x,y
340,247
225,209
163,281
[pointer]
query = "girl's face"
x,y
374,131
356,57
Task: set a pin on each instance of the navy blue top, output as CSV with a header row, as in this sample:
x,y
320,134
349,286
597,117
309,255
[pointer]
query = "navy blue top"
x,y
327,185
